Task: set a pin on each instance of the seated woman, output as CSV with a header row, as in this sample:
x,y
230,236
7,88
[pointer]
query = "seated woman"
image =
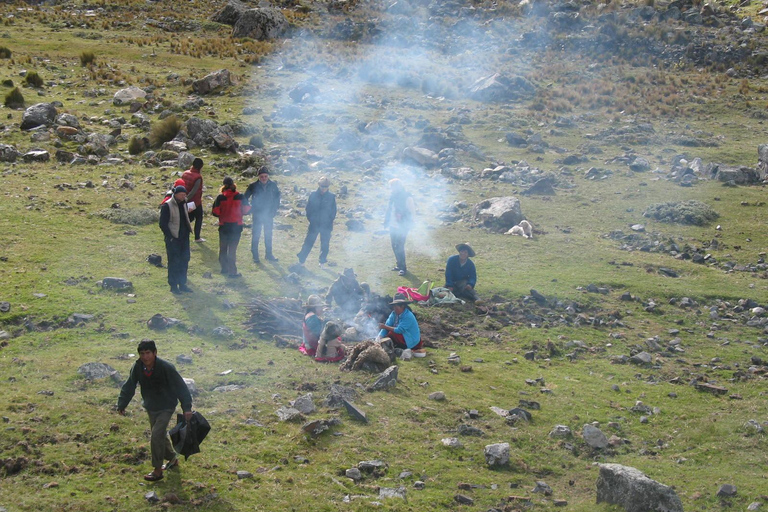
x,y
460,273
312,325
402,327
329,348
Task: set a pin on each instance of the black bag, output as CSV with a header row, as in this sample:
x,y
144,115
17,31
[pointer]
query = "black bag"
x,y
186,437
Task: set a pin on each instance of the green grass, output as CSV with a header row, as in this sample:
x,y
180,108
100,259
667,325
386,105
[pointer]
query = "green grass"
x,y
81,456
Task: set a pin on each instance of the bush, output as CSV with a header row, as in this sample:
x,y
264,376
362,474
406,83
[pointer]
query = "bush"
x,y
8,82
137,145
164,130
5,53
685,212
131,216
33,79
14,99
87,58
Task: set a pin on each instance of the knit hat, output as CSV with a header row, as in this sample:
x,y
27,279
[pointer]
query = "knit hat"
x,y
180,188
263,170
324,182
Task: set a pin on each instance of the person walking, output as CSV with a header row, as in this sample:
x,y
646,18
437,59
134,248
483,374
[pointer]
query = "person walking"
x,y
193,182
321,212
399,220
264,199
460,273
175,225
161,389
229,207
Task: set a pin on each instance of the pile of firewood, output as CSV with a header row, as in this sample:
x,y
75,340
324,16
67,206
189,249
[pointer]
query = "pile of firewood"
x,y
279,316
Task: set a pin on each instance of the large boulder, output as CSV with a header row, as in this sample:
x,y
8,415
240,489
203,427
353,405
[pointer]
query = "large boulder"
x,y
8,153
129,95
260,24
762,161
230,13
631,489
498,213
207,133
213,82
741,175
40,114
499,88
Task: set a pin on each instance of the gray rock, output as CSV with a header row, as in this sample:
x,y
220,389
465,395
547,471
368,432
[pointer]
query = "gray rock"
x,y
498,214
241,475
191,386
520,413
8,153
260,24
96,371
642,358
437,395
184,359
630,488
387,379
388,492
463,499
755,505
560,432
499,88
222,332
354,474
542,488
355,412
152,497
726,490
304,404
36,155
469,430
497,455
369,466
288,414
452,442
338,395
40,114
116,283
230,13
213,82
422,156
594,437
228,388
419,485
129,95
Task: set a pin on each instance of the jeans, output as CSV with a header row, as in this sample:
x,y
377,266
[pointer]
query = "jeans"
x,y
309,242
397,237
259,222
160,443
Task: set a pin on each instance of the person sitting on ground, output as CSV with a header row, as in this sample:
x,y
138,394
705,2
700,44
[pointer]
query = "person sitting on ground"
x,y
460,273
347,293
329,348
402,327
312,326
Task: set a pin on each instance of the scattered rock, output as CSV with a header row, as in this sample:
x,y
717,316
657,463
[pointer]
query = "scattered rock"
x,y
631,489
355,412
116,283
726,491
594,437
386,380
497,455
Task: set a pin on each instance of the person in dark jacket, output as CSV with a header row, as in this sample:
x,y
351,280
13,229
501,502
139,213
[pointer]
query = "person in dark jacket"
x,y
321,212
460,273
175,225
229,207
264,198
399,220
161,389
193,182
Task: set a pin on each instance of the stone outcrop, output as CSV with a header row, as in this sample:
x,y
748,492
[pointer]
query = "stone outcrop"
x,y
631,489
260,24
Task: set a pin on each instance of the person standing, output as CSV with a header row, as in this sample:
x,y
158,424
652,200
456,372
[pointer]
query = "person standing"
x,y
193,182
175,225
460,273
229,207
264,198
321,212
161,389
399,220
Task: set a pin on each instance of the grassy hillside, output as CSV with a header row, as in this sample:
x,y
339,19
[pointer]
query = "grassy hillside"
x,y
606,90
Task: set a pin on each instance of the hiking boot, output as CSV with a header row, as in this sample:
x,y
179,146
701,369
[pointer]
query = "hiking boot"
x,y
401,273
271,258
184,288
199,240
175,290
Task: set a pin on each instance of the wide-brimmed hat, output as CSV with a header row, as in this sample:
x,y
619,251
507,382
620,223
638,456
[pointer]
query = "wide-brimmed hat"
x,y
348,272
324,182
466,247
399,300
314,301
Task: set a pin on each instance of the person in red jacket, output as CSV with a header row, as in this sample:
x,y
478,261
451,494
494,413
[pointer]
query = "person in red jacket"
x,y
230,207
193,182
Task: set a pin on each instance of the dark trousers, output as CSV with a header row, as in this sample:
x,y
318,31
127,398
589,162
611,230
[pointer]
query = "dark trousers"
x,y
197,217
461,291
259,222
309,242
398,340
229,238
160,444
177,250
397,237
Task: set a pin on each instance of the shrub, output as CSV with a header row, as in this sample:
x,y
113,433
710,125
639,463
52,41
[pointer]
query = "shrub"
x,y
87,58
14,99
164,130
137,145
33,79
8,82
131,216
684,212
5,53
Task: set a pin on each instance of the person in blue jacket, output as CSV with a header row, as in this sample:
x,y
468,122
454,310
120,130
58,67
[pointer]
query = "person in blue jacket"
x,y
402,327
460,273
